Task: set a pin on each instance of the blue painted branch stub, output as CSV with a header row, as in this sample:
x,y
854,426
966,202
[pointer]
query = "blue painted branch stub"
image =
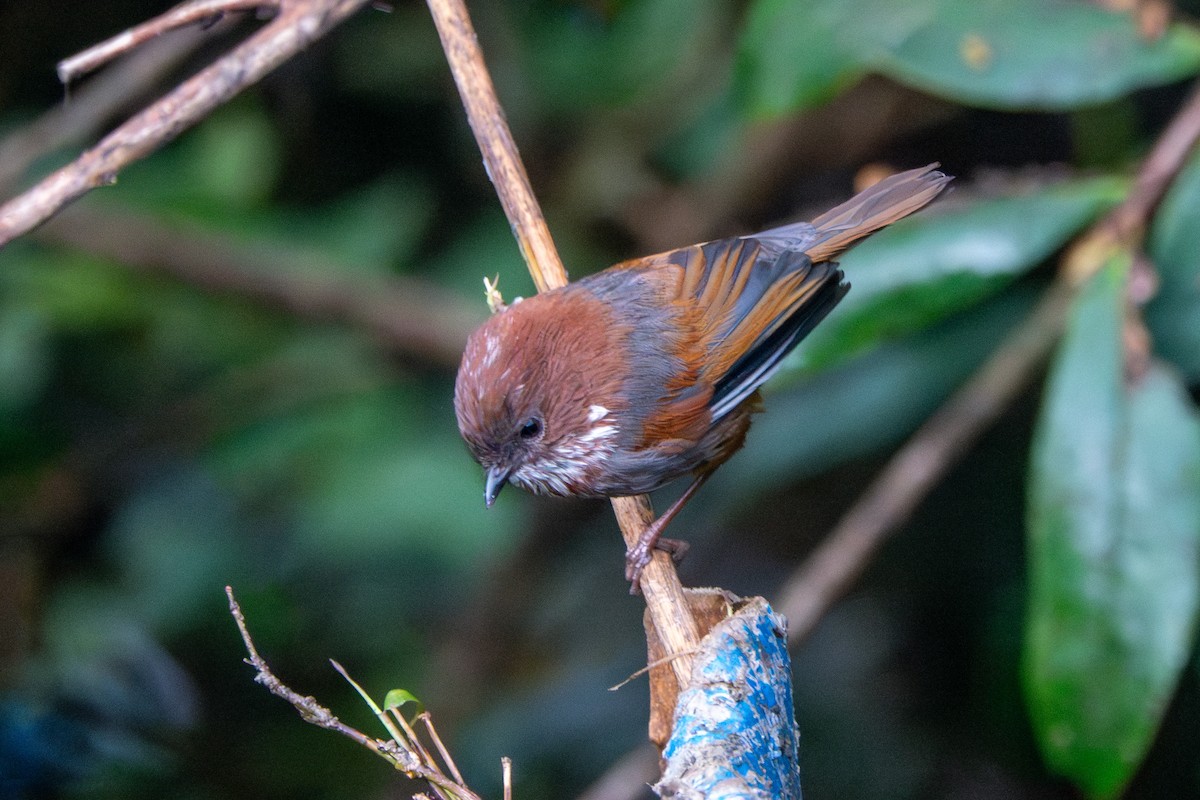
x,y
735,732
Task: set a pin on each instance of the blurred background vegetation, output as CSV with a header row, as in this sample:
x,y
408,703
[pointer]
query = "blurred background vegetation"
x,y
235,366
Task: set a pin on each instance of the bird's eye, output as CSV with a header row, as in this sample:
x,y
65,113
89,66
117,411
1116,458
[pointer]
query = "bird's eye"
x,y
531,429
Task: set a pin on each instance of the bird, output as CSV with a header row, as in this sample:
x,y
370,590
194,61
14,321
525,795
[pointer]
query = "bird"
x,y
648,371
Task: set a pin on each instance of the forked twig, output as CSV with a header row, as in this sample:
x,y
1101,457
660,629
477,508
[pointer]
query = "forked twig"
x,y
183,15
404,751
298,24
310,710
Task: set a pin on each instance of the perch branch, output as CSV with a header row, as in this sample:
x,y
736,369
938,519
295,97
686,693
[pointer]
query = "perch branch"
x,y
664,594
298,24
407,316
891,498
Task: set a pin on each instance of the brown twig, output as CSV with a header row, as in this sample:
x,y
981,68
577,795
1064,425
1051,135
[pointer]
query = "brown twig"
x,y
80,118
298,24
664,594
1158,170
310,710
496,143
183,15
937,445
398,752
409,317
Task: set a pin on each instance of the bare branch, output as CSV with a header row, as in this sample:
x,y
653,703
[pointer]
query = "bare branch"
x,y
299,23
408,316
198,11
309,708
496,143
1166,159
398,752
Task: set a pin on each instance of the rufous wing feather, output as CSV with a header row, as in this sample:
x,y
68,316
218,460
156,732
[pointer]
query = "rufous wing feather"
x,y
755,297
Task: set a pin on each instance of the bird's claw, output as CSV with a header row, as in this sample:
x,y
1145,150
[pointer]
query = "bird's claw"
x,y
638,557
636,560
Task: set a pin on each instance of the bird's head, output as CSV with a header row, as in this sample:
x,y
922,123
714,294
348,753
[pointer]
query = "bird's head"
x,y
529,400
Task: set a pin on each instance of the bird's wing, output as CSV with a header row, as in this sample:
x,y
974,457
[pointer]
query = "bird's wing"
x,y
750,310
755,297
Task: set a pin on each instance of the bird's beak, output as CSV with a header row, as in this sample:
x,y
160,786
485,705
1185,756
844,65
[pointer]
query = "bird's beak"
x,y
496,478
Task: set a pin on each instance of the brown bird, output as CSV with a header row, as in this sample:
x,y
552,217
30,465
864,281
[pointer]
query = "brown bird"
x,y
649,370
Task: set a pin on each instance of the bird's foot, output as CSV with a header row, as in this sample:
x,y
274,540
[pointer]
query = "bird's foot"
x,y
676,548
638,556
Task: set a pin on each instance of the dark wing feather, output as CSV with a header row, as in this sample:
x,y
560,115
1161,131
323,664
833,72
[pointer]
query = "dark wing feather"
x,y
744,303
759,295
766,356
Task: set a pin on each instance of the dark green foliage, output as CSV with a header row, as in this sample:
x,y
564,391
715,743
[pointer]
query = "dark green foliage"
x,y
1025,635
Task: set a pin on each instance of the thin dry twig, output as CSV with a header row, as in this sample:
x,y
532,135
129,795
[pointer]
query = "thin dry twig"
x,y
404,752
408,316
298,24
427,721
310,710
79,119
941,441
183,15
659,584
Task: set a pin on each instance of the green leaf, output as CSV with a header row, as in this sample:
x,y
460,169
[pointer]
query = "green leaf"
x,y
1174,315
794,55
584,57
1008,54
398,698
1114,522
927,267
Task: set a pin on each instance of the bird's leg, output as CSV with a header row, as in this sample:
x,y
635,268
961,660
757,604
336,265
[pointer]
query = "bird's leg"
x,y
638,556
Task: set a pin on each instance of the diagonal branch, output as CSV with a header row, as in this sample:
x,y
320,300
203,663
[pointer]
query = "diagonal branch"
x,y
298,24
665,601
80,118
405,753
892,497
190,13
407,316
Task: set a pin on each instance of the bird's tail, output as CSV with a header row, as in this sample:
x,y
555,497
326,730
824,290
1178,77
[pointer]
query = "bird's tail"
x,y
871,209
